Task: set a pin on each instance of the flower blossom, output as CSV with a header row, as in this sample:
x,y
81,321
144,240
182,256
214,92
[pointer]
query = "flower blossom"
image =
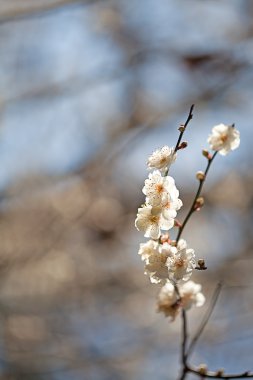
x,y
162,191
156,267
191,295
161,158
224,138
150,220
181,263
147,249
169,302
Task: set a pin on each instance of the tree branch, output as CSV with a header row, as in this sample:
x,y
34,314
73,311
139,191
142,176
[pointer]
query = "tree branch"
x,y
184,346
218,374
202,372
189,118
182,130
192,209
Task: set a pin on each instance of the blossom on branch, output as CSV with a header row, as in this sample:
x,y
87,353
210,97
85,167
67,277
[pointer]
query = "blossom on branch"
x,y
181,263
170,303
190,293
162,158
157,188
147,249
162,192
156,267
150,220
224,138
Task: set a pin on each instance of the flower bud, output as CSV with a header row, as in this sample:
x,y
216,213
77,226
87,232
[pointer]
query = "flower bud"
x,y
206,154
177,223
201,265
199,203
220,372
183,145
200,176
165,238
181,128
202,369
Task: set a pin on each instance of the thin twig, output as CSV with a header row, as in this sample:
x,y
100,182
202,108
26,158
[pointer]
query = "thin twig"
x,y
205,318
190,116
192,209
185,337
218,374
184,346
186,353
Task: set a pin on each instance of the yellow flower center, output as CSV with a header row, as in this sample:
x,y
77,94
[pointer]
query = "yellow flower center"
x,y
163,259
224,137
179,263
167,205
154,218
159,188
163,160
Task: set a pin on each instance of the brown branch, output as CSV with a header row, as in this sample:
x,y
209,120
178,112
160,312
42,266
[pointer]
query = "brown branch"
x,y
184,345
182,130
185,337
218,374
200,372
193,209
189,118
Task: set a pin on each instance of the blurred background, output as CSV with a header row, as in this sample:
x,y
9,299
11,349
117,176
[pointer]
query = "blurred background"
x,y
88,90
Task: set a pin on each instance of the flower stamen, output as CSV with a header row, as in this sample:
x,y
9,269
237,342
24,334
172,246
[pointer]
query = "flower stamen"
x,y
159,188
224,137
179,263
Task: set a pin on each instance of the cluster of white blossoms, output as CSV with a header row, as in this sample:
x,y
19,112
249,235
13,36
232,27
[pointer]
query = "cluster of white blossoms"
x,y
162,202
189,293
167,262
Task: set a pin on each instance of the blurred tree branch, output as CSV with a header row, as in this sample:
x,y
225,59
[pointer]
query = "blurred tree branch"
x,y
13,10
202,371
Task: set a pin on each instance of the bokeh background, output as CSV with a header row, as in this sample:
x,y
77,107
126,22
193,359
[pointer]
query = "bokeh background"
x,y
88,90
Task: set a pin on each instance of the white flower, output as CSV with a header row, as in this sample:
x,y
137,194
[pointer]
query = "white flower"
x,y
156,267
167,249
180,264
169,302
150,220
162,193
191,295
147,249
161,158
224,138
156,188
159,190
172,204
